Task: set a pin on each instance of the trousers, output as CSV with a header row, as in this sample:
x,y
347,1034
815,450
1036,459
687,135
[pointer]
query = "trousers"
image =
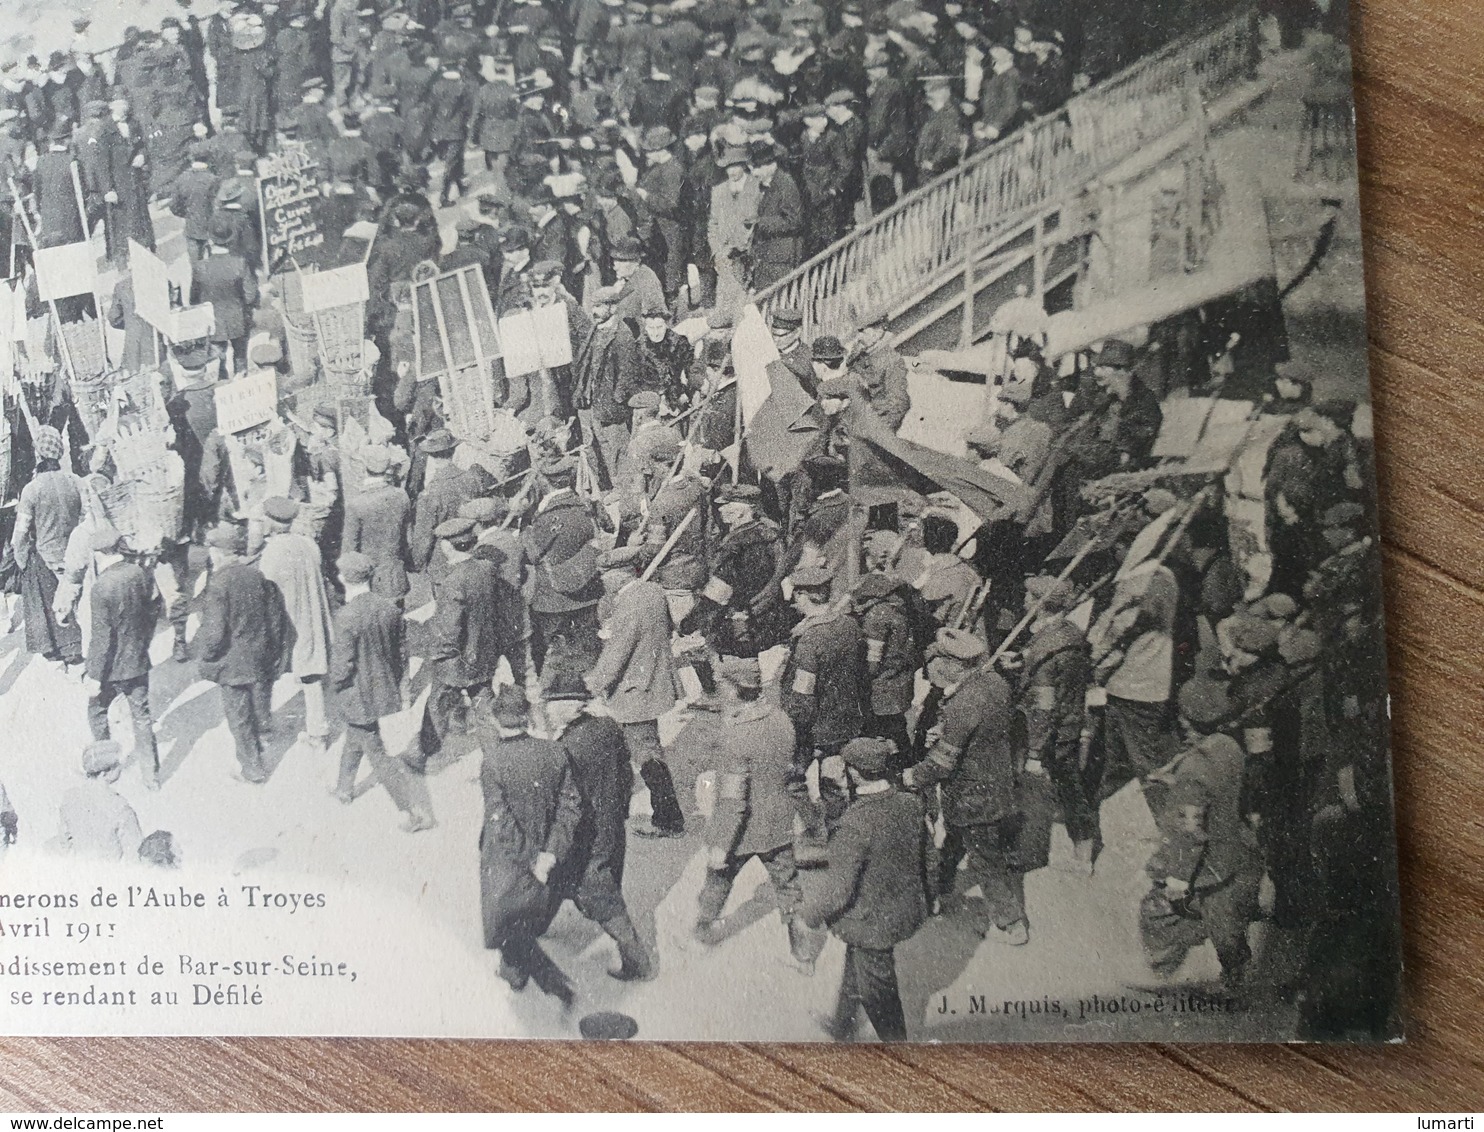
x,y
568,639
987,848
361,740
1076,789
248,708
447,709
643,740
870,981
781,871
136,691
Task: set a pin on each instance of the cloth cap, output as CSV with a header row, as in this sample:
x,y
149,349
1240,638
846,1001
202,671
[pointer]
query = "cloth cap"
x,y
839,98
546,271
1277,605
645,399
607,296
1298,646
786,318
228,192
1253,635
828,348
47,443
740,493
100,755
742,672
621,557
956,644
355,567
870,756
459,527
439,442
627,248
105,539
514,239
376,460
223,230
265,353
811,578
1204,701
482,510
229,537
280,510
510,706
655,310
658,137
813,110
1116,353
566,685
732,155
881,542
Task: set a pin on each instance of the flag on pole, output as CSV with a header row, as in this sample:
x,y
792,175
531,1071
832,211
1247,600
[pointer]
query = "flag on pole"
x,y
781,422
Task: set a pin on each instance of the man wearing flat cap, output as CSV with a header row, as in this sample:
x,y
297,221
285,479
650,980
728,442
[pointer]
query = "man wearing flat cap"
x,y
969,753
368,662
124,607
561,568
1206,874
476,621
754,812
871,896
244,643
532,816
606,361
376,522
1052,694
291,561
445,488
95,820
740,607
635,674
822,686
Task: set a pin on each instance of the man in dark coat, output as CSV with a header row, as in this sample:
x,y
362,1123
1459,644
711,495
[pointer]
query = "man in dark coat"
x,y
474,625
778,233
56,199
368,661
445,489
1053,687
822,687
754,814
125,606
450,99
376,522
973,759
872,894
606,361
662,218
563,574
243,644
889,125
741,608
605,779
193,199
532,813
224,279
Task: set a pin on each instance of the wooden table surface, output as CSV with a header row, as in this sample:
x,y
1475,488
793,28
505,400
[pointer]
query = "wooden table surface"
x,y
1421,112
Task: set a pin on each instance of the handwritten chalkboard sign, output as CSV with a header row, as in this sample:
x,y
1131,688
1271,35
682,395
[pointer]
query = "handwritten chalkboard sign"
x,y
293,223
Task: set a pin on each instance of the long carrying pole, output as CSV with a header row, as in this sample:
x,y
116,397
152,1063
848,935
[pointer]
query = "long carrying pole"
x,y
20,207
87,235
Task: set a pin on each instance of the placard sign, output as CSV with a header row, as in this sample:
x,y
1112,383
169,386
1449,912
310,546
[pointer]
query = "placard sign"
x,y
334,287
151,286
536,338
66,270
289,191
247,402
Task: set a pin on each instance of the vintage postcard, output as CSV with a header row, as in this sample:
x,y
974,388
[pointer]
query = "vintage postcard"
x,y
828,520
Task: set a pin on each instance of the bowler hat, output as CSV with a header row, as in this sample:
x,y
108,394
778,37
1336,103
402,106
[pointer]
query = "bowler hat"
x,y
828,348
455,530
439,442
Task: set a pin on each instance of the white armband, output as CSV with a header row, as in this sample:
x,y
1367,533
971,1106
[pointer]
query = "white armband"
x,y
804,682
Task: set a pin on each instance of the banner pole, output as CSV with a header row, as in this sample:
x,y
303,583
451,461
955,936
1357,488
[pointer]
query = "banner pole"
x,y
87,235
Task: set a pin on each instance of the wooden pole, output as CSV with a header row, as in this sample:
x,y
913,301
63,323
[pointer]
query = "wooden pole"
x,y
87,235
51,303
670,542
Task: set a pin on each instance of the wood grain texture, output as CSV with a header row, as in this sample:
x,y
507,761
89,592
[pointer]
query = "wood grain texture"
x,y
1421,112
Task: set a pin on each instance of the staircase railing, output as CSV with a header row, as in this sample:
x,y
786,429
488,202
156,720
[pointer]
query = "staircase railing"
x,y
892,259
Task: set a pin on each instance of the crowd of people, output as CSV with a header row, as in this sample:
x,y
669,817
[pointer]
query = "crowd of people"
x,y
908,693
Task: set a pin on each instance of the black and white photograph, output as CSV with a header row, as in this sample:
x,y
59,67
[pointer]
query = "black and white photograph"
x,y
738,520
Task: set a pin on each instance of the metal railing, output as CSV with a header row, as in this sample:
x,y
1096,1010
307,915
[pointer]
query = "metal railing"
x,y
896,257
